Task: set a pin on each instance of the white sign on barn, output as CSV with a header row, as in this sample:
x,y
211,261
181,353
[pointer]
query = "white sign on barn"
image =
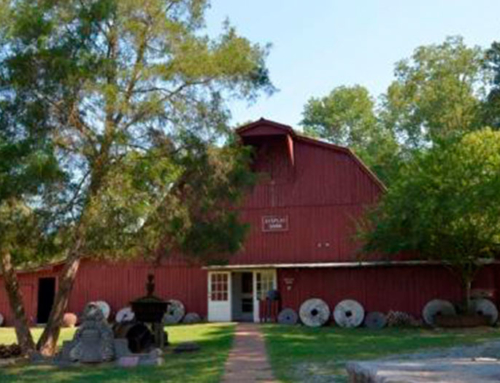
x,y
274,223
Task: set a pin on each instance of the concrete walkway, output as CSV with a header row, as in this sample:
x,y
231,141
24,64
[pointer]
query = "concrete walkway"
x,y
247,360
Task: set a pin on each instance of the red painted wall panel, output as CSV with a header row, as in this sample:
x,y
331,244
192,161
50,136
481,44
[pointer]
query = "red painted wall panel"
x,y
29,290
315,234
118,284
405,289
401,288
322,176
328,192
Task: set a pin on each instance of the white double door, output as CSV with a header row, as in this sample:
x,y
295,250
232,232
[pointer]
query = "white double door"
x,y
220,298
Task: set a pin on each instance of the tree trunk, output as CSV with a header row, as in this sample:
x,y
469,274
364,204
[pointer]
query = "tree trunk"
x,y
23,333
467,294
48,341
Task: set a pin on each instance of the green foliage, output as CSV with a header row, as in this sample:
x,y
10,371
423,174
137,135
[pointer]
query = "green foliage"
x,y
445,206
492,105
210,228
130,99
437,94
29,180
347,117
25,167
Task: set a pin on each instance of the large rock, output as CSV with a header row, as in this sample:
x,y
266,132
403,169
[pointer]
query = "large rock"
x,y
478,364
93,341
457,370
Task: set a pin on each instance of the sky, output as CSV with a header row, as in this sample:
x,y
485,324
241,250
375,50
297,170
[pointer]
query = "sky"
x,y
318,45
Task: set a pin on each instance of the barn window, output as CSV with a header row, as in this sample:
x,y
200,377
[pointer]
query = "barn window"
x,y
219,287
265,282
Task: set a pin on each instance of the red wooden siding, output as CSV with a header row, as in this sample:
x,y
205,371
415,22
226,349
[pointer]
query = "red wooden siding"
x,y
403,288
322,176
118,284
399,288
315,234
29,289
323,191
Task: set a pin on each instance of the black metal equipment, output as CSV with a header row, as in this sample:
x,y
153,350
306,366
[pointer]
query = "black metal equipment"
x,y
139,336
151,309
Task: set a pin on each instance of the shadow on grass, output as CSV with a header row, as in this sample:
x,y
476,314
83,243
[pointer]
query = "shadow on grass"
x,y
325,350
205,365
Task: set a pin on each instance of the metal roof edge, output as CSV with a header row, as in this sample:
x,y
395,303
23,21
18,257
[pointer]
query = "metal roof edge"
x,y
262,121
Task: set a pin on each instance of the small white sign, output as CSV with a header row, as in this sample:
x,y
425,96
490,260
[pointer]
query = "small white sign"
x,y
274,223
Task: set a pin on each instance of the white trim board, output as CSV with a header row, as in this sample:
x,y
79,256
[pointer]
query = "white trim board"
x,y
333,265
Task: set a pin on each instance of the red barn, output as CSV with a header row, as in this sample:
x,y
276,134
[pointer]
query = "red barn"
x,y
303,219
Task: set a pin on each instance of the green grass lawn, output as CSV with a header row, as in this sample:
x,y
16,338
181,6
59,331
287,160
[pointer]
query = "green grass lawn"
x,y
8,336
203,366
296,353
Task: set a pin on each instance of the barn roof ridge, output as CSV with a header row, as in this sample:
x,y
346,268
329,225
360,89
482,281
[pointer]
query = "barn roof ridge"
x,y
263,121
313,141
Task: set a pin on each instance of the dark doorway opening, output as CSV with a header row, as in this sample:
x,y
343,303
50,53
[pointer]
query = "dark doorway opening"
x,y
46,293
242,296
247,296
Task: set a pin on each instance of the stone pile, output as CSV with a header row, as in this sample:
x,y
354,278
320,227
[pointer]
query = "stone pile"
x,y
94,342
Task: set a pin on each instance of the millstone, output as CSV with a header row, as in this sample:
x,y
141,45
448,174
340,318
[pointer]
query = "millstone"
x,y
288,317
437,307
125,315
314,312
191,318
485,307
175,312
375,320
349,313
